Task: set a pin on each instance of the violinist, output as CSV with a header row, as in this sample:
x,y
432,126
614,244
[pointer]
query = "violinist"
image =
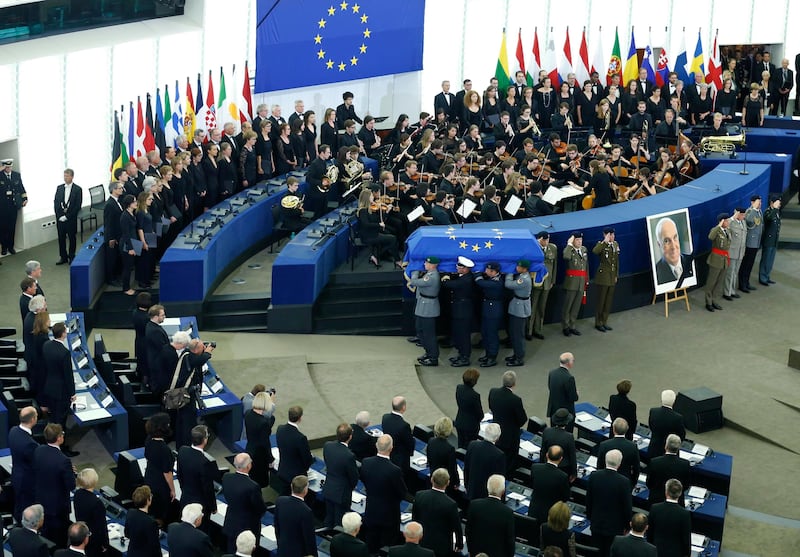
x,y
562,121
440,123
401,153
450,184
557,149
440,211
500,152
490,212
473,138
572,169
372,230
666,132
432,160
424,145
535,206
515,187
460,162
422,125
526,125
593,147
501,180
473,191
504,131
688,164
387,191
600,183
370,140
666,173
422,201
645,188
531,167
522,154
635,152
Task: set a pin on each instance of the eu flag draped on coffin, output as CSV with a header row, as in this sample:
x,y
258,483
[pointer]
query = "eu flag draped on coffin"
x,y
310,42
481,245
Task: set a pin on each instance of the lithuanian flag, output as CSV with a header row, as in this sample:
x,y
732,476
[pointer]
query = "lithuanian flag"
x,y
501,73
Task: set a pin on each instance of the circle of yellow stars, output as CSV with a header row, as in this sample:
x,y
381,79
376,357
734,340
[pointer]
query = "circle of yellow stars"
x,y
355,10
476,247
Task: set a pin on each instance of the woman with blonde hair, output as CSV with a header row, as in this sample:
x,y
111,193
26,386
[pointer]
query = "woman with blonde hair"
x,y
441,454
556,530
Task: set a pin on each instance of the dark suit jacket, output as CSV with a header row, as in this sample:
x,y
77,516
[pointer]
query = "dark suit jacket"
x,y
185,540
342,473
54,480
67,553
403,440
630,457
563,392
245,505
296,457
111,213
663,421
664,274
294,527
439,517
483,460
670,529
385,488
362,444
564,439
345,545
632,546
490,528
90,510
440,101
470,411
25,543
196,471
156,338
608,502
73,206
24,300
59,384
409,550
663,468
507,411
441,454
142,531
550,485
22,446
620,406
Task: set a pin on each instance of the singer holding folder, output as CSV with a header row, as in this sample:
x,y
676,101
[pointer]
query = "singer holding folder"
x,y
128,241
146,233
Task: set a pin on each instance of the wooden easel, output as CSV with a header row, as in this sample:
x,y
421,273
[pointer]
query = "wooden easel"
x,y
673,296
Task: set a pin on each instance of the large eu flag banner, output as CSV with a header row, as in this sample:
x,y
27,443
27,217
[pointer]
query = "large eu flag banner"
x,y
310,42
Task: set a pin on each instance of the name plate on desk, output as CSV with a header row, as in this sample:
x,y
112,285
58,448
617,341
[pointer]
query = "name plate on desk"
x,y
92,381
95,414
107,401
83,362
76,342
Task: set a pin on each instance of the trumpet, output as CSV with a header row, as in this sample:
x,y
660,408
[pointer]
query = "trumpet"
x,y
535,130
568,122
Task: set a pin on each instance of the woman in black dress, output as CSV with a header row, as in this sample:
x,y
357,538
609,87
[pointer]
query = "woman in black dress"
x,y
248,161
701,106
510,103
264,166
400,127
285,160
210,170
564,96
473,114
180,188
127,226
227,172
545,102
725,103
620,406
372,230
491,107
310,135
37,373
197,175
753,108
441,454
630,99
327,131
160,463
298,142
141,528
89,509
258,424
470,411
144,227
556,530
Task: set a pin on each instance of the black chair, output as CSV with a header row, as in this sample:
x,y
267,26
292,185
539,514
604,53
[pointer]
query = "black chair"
x,y
423,432
97,194
536,424
129,475
279,231
13,405
355,243
526,529
586,446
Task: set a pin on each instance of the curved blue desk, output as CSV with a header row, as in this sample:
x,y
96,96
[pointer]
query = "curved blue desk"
x,y
781,165
87,272
772,140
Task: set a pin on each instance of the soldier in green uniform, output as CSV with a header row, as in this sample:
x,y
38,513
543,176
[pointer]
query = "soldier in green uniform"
x,y
718,261
426,310
606,278
576,279
540,293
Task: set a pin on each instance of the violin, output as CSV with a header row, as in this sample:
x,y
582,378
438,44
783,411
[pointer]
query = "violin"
x,y
561,149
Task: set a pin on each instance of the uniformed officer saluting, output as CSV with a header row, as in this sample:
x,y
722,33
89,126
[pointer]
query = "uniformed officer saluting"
x,y
519,309
462,286
492,312
12,199
426,311
606,278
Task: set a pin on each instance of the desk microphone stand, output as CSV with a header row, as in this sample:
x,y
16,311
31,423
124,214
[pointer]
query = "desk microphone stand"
x,y
744,171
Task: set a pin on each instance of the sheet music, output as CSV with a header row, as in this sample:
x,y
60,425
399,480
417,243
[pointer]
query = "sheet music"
x,y
553,195
416,213
513,205
466,208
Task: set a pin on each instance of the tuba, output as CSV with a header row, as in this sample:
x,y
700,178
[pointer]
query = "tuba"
x,y
722,144
331,176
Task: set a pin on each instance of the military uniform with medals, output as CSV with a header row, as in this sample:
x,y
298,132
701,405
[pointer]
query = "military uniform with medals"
x,y
427,310
12,198
605,279
519,310
540,293
718,261
575,281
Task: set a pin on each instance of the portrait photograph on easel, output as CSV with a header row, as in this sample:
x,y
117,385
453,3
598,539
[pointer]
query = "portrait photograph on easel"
x,y
671,259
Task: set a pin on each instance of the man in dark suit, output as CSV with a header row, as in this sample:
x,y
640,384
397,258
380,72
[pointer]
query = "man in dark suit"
x,y
438,515
646,86
156,338
783,81
395,425
470,411
671,524
185,539
412,548
490,523
111,230
663,421
197,471
444,100
293,447
385,488
55,478
608,502
630,453
341,477
665,467
508,413
66,205
549,484
557,435
245,504
33,269
22,446
78,535
362,445
245,544
28,287
634,544
294,522
346,543
26,541
673,264
561,386
59,385
483,460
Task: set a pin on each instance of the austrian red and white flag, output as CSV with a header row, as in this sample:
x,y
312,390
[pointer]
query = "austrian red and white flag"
x,y
582,72
536,64
565,61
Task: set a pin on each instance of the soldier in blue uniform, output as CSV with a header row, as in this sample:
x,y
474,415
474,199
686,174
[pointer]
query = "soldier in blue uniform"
x,y
12,199
462,286
492,312
519,310
426,311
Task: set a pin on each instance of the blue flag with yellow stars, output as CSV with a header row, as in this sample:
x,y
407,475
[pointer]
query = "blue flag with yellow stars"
x,y
481,245
309,42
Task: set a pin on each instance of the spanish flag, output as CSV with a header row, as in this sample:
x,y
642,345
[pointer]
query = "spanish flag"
x,y
501,73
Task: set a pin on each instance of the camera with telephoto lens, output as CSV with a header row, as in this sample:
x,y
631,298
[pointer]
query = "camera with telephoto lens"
x,y
211,344
272,391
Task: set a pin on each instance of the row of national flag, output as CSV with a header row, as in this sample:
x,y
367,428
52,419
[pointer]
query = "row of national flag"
x,y
138,131
559,64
